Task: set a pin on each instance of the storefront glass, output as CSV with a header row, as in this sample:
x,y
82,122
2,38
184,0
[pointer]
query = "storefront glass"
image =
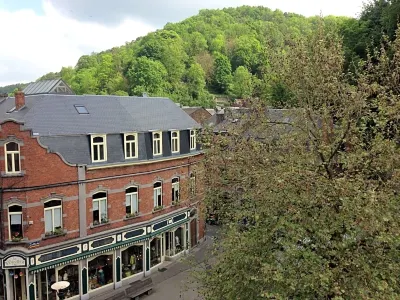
x,y
44,280
132,261
179,240
101,271
2,283
70,273
155,252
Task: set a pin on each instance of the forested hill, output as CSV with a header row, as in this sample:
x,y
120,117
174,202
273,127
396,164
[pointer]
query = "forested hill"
x,y
215,52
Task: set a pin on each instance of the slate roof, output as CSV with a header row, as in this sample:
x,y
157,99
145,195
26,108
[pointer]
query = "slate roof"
x,y
53,114
42,86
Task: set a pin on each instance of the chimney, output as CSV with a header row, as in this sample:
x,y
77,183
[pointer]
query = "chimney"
x,y
19,100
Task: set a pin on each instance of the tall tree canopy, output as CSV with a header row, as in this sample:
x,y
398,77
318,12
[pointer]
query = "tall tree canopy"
x,y
309,198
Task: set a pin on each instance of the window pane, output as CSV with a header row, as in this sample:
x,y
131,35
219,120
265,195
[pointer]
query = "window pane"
x,y
95,152
128,150
12,146
103,208
95,205
130,137
57,217
16,219
155,197
135,204
99,195
101,156
15,208
48,220
9,162
156,136
16,162
128,200
98,139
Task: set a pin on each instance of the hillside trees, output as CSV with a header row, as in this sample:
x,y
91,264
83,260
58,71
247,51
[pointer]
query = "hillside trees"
x,y
309,198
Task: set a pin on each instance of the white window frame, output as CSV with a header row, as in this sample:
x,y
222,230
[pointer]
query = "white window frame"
x,y
104,144
192,139
192,183
157,140
175,186
176,140
156,192
131,200
99,207
12,153
133,145
9,220
52,214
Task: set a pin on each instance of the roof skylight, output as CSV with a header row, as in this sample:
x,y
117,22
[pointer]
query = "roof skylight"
x,y
81,109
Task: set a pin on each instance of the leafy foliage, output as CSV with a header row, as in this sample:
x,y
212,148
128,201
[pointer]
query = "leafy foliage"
x,y
309,197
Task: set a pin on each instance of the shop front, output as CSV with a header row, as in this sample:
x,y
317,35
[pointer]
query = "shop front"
x,y
14,273
94,267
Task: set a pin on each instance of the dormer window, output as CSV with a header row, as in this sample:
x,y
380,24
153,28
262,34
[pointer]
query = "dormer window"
x,y
99,148
157,143
131,145
192,139
12,157
175,141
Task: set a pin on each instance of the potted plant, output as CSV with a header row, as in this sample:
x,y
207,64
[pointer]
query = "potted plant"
x,y
157,208
16,237
58,231
95,222
104,220
131,215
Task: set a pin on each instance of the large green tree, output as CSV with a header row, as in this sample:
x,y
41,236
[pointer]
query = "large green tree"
x,y
222,73
242,86
309,198
147,76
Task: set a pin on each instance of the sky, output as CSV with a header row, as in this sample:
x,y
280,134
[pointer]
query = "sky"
x,y
41,36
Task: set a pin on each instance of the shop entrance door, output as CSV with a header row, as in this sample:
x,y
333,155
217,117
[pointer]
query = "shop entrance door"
x,y
18,289
193,233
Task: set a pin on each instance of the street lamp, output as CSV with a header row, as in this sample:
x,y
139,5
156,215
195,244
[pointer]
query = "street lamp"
x,y
59,287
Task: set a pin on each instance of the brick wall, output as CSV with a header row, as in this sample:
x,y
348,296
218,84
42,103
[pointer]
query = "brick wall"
x,y
42,169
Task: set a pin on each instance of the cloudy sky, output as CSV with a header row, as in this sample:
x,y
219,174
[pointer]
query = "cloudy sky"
x,y
41,36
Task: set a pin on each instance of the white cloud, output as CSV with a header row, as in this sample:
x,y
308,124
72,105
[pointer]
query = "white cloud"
x,y
38,44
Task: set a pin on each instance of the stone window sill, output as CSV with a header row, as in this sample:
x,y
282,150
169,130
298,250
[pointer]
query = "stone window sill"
x,y
52,236
155,210
22,241
6,175
126,218
99,225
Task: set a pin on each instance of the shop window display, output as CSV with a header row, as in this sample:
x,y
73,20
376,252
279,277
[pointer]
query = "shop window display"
x,y
100,271
132,261
70,273
2,283
155,252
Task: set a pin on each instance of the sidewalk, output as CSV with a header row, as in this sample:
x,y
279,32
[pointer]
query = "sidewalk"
x,y
184,263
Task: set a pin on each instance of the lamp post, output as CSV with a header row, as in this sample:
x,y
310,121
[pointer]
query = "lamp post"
x,y
59,287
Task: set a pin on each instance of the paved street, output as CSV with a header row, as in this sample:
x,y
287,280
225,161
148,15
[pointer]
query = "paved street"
x,y
176,282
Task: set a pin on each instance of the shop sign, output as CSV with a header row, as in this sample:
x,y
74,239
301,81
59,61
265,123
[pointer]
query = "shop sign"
x,y
14,261
59,254
160,225
103,242
134,233
179,218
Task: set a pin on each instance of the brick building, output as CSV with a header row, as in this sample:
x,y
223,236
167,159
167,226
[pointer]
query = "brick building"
x,y
95,190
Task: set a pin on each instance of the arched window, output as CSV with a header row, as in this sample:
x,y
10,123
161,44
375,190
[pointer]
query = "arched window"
x,y
12,157
157,143
99,148
132,201
53,216
175,190
100,208
158,195
175,141
15,222
131,145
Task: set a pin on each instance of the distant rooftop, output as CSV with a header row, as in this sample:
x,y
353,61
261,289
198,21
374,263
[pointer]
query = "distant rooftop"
x,y
53,86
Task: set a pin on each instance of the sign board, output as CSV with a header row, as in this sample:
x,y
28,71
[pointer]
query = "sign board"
x,y
14,261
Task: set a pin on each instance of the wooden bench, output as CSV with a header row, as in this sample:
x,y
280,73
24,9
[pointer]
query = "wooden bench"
x,y
139,288
119,296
